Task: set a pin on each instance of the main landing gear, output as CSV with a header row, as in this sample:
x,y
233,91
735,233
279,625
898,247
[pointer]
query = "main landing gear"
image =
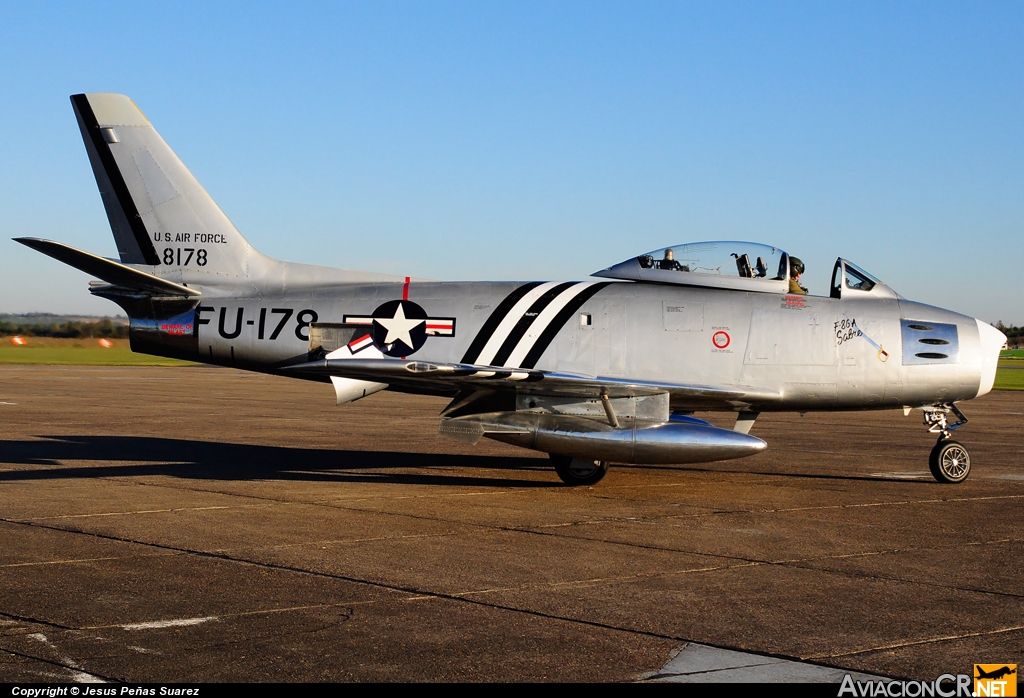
x,y
949,460
579,471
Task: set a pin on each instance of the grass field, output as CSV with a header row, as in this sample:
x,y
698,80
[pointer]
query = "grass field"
x,y
77,352
1010,379
1010,375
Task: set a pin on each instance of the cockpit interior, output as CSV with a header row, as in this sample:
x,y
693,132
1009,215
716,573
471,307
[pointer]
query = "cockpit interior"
x,y
747,266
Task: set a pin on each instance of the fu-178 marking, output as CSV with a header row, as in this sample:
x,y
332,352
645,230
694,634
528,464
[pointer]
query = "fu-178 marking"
x,y
275,322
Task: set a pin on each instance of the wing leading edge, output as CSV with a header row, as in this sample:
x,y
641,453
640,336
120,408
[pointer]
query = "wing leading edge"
x,y
452,378
574,416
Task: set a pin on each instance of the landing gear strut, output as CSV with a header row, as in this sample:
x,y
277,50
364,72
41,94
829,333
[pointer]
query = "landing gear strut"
x,y
579,471
949,461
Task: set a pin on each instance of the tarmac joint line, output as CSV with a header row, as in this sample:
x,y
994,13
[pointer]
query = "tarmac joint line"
x,y
925,641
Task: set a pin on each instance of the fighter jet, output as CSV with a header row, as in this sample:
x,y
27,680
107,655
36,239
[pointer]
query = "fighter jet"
x,y
609,369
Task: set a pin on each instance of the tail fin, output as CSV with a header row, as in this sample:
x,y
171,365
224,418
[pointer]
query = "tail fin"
x,y
159,213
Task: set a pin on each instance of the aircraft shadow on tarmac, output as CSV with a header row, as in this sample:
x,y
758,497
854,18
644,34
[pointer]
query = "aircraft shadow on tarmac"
x,y
925,480
134,456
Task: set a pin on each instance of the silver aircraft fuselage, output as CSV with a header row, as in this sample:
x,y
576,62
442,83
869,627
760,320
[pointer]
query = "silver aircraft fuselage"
x,y
789,352
587,371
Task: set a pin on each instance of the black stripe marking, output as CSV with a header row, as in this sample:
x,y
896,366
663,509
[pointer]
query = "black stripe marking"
x,y
124,196
480,341
555,326
517,333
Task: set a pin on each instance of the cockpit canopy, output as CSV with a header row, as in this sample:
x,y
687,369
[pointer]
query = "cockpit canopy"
x,y
850,281
749,266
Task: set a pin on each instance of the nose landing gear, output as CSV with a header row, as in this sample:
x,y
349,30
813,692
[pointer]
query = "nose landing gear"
x,y
949,460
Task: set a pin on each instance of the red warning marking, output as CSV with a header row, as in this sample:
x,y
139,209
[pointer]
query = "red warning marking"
x,y
721,339
405,290
175,329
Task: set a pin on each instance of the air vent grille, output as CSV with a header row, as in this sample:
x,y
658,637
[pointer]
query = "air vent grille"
x,y
920,341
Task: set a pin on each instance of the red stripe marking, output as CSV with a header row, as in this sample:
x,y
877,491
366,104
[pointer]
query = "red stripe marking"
x,y
405,290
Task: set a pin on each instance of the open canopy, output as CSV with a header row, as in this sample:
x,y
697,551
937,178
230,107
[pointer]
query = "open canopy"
x,y
749,266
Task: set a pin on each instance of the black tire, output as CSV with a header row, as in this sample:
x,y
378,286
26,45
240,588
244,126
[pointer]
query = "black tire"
x,y
950,462
579,471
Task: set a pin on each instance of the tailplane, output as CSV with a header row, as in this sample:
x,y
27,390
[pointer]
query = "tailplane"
x,y
120,277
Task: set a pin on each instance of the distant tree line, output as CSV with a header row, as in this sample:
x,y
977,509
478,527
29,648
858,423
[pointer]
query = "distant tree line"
x,y
1014,335
71,330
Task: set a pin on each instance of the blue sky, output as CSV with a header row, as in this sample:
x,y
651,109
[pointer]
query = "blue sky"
x,y
547,140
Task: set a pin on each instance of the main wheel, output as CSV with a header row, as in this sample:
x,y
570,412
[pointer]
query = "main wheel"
x,y
950,462
579,471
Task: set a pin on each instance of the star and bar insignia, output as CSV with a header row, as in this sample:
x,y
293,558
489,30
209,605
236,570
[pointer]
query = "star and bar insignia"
x,y
401,327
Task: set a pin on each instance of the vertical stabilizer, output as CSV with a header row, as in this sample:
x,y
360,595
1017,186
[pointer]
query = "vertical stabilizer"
x,y
159,213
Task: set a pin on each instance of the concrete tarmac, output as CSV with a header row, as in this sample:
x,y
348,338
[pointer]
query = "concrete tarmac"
x,y
203,524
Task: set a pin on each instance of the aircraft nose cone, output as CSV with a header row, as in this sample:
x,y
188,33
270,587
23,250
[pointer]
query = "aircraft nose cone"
x,y
992,341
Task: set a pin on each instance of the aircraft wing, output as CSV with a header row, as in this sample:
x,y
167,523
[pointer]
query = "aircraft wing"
x,y
107,269
452,378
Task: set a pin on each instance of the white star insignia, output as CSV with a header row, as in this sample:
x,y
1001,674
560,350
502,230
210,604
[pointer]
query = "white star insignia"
x,y
398,327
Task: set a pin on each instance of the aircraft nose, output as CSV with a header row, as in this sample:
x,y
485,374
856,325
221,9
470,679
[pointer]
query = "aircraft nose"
x,y
992,341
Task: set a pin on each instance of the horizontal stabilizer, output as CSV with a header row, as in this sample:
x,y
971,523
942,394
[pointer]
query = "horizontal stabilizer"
x,y
108,270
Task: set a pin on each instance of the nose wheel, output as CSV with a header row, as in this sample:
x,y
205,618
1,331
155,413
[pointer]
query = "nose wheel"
x,y
949,461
